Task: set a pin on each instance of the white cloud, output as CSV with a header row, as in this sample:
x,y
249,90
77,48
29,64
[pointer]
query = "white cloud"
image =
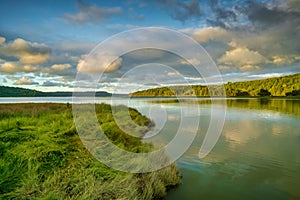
x,y
192,61
211,33
224,67
60,66
29,68
279,60
243,58
173,73
34,59
9,67
246,68
269,75
99,63
2,40
79,17
13,67
91,14
52,83
26,52
24,81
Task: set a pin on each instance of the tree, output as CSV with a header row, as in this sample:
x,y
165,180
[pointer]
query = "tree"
x,y
264,92
293,93
242,93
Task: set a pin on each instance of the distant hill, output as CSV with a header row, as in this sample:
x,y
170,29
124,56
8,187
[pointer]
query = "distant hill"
x,y
277,86
21,92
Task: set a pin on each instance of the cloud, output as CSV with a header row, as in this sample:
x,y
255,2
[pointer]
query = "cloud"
x,y
270,28
51,84
29,68
263,14
2,40
91,14
34,59
68,74
60,66
9,68
246,68
269,75
25,81
75,46
223,16
180,10
173,73
279,60
99,63
294,5
26,52
253,15
13,67
192,61
211,34
243,58
224,67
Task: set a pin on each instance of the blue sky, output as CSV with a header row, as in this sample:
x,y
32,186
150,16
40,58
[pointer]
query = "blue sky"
x,y
42,43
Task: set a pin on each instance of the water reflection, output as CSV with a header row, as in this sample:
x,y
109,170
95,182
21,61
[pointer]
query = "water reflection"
x,y
256,157
286,106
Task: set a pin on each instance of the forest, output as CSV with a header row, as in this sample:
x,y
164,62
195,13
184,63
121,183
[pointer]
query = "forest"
x,y
23,92
277,86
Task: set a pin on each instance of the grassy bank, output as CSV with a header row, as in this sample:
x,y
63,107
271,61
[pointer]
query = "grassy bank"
x,y
42,157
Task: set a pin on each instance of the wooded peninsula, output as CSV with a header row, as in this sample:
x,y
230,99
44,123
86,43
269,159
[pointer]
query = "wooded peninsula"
x,y
277,86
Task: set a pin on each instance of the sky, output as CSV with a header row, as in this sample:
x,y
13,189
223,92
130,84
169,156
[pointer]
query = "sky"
x,y
45,44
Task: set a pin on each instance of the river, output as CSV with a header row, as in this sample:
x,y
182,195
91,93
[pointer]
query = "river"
x,y
257,155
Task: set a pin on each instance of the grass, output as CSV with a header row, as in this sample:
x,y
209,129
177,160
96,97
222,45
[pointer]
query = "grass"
x,y
42,157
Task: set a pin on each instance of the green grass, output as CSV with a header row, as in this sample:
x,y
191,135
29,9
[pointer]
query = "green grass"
x,y
42,157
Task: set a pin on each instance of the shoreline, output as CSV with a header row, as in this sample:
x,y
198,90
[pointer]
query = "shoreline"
x,y
43,157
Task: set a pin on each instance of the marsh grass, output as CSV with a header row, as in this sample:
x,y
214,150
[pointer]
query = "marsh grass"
x,y
42,157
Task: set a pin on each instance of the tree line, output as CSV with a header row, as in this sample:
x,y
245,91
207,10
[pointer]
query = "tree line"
x,y
277,86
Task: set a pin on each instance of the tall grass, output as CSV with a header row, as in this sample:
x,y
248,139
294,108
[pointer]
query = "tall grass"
x,y
42,157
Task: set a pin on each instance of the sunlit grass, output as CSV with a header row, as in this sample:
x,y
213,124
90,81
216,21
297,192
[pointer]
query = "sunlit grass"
x,y
42,157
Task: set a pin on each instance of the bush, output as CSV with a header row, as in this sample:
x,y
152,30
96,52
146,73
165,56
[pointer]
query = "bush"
x,y
264,92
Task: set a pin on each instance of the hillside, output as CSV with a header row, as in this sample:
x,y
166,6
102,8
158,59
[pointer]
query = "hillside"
x,y
278,86
21,92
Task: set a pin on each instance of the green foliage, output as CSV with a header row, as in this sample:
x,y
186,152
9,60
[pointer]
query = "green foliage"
x,y
279,86
293,93
263,93
242,93
42,157
17,92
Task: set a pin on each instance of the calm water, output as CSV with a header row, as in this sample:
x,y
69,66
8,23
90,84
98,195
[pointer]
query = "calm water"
x,y
256,157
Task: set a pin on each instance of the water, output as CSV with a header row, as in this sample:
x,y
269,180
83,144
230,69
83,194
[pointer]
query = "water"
x,y
256,156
